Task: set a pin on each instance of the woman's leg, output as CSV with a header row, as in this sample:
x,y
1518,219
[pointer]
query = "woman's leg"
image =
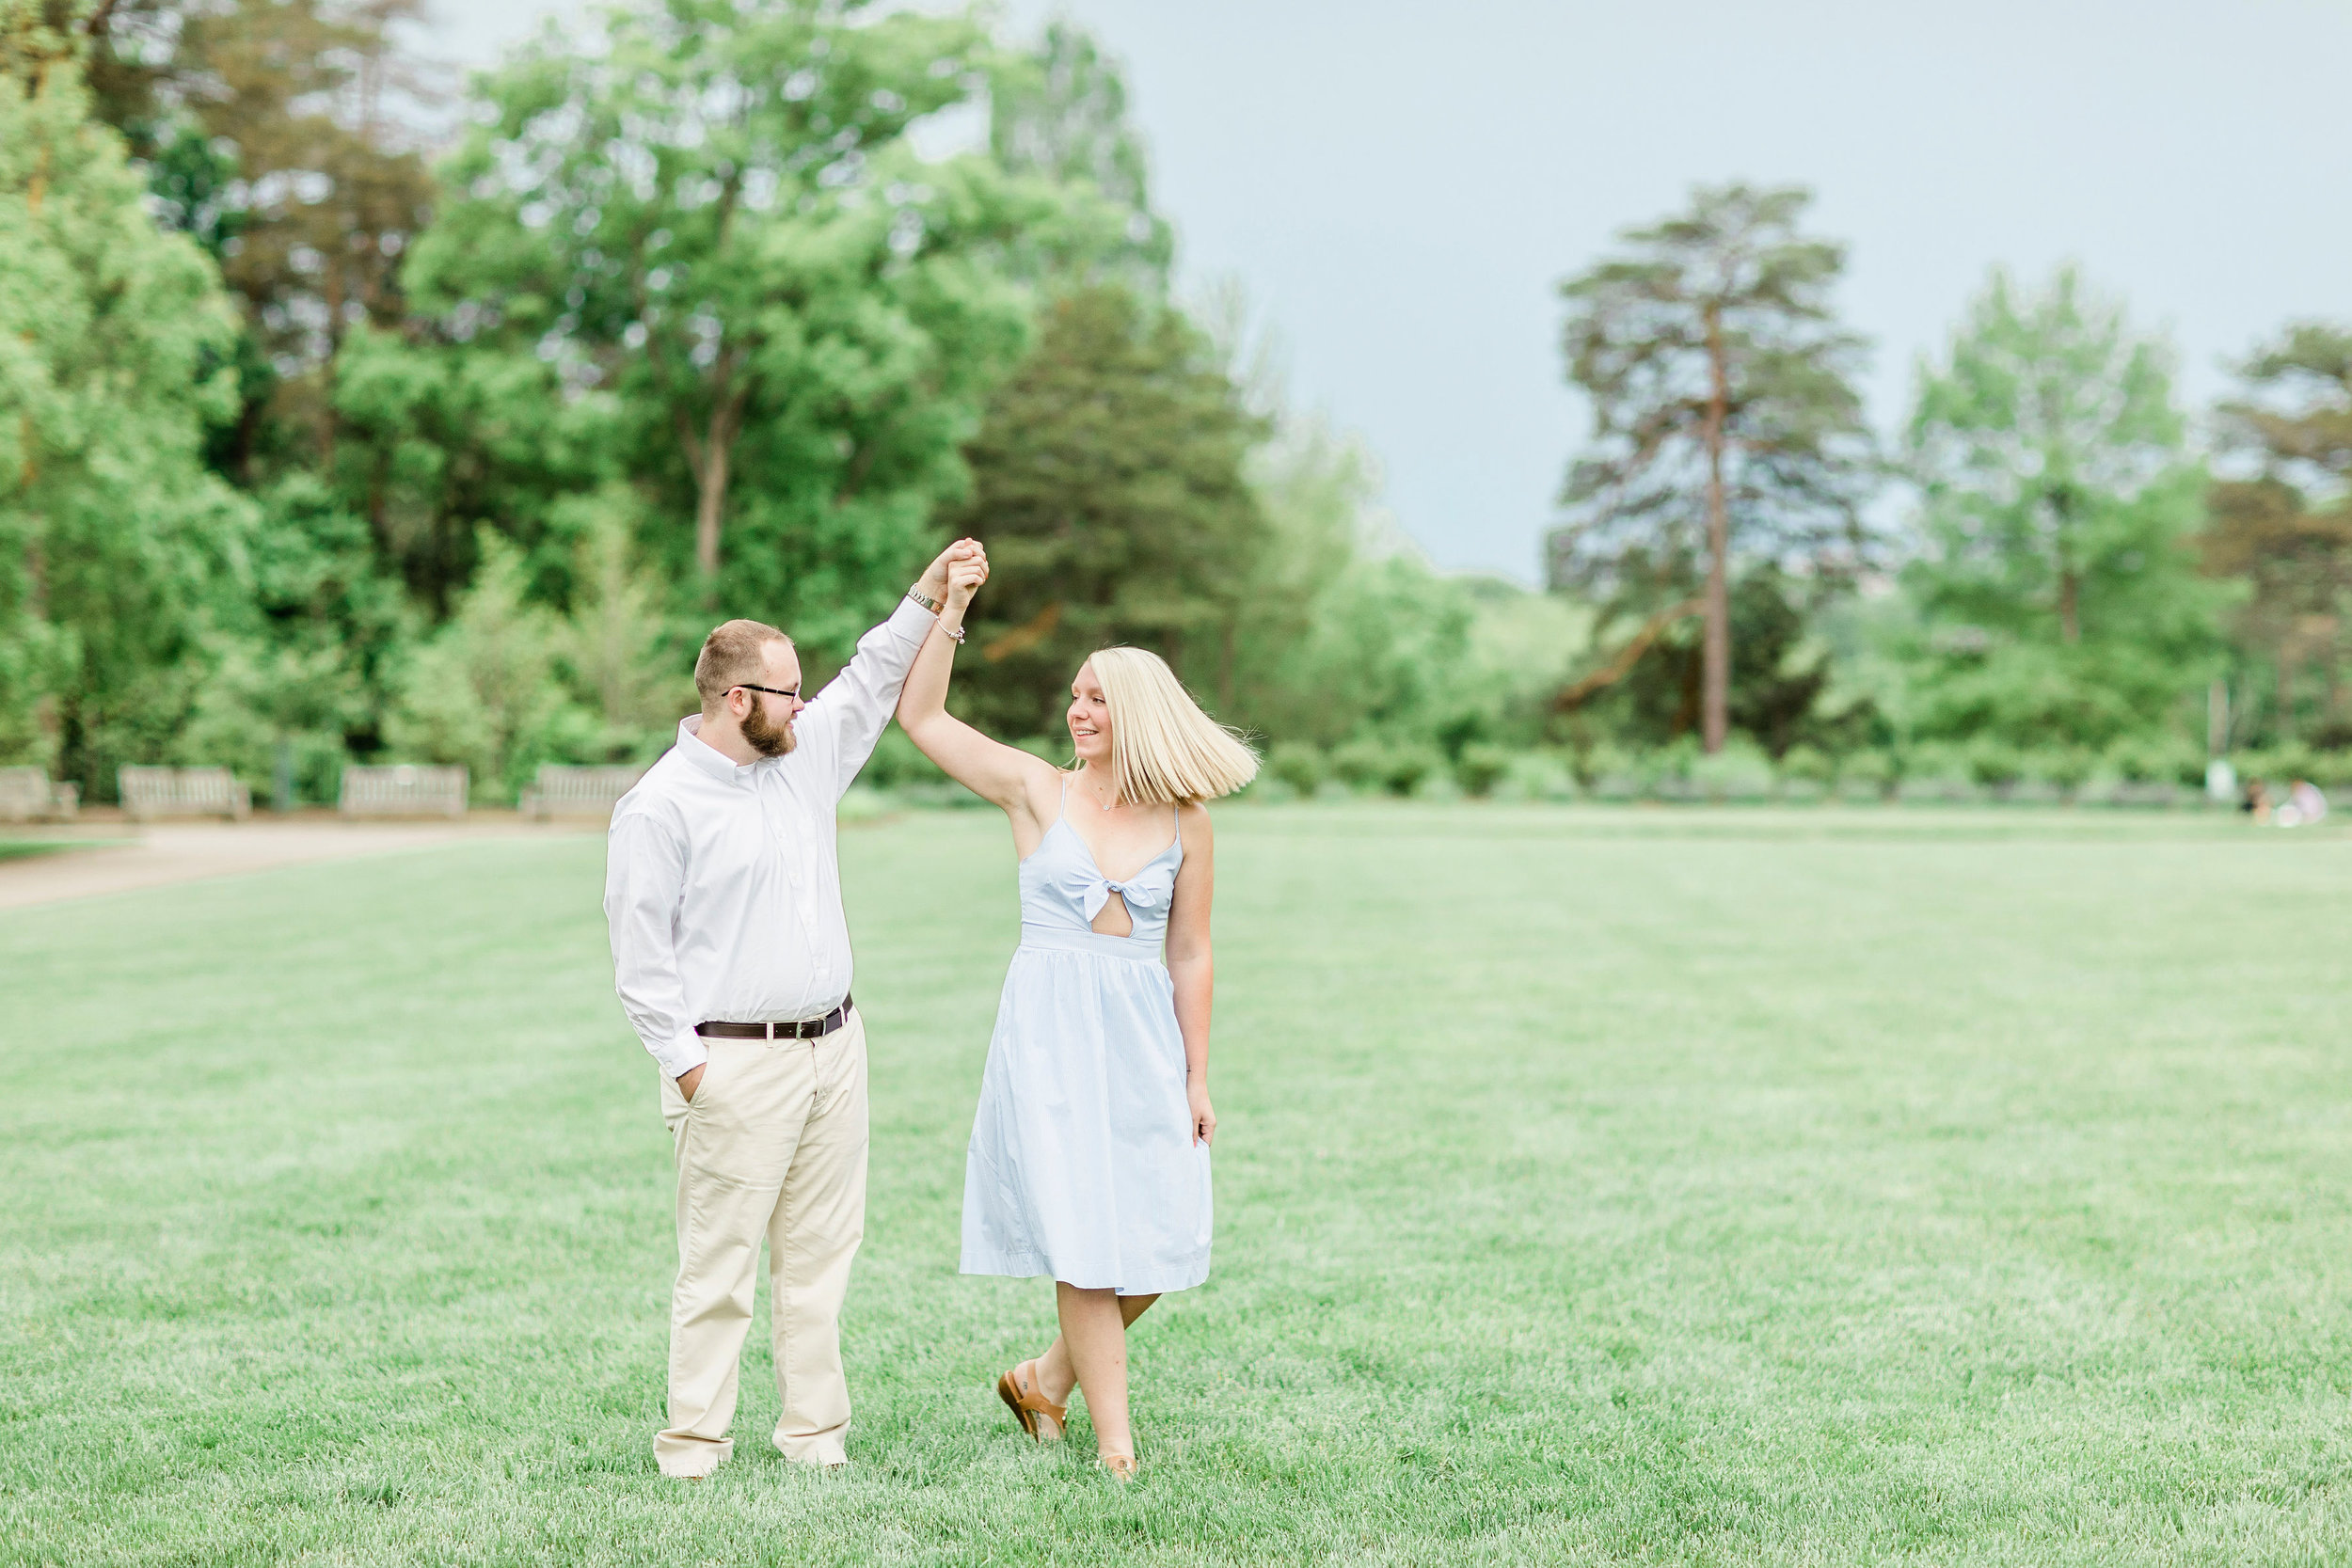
x,y
1091,1354
1056,1376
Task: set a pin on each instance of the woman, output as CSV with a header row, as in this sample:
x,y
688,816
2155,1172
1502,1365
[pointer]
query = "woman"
x,y
1090,1155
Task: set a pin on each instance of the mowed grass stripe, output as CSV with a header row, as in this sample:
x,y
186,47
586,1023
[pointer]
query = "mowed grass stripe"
x,y
1696,1186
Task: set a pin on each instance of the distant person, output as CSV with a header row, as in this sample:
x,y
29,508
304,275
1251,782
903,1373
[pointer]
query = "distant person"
x,y
2257,802
2307,803
732,959
1090,1155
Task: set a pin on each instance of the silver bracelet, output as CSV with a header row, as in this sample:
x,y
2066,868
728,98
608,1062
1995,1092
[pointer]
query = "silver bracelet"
x,y
956,635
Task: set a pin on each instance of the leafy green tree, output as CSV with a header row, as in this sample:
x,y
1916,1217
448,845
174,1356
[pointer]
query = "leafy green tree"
x,y
1726,427
1343,631
270,134
713,214
444,437
304,665
2284,529
1060,111
2057,501
117,549
1109,485
484,692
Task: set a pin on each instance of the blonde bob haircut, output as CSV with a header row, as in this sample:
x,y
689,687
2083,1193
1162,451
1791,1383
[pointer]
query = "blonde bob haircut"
x,y
1164,749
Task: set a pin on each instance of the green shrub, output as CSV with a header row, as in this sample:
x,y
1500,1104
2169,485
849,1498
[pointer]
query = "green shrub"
x,y
1995,764
1538,776
1614,773
1740,771
2065,767
2158,759
1296,763
1591,765
1481,768
1408,765
1808,765
1397,766
1361,764
1870,773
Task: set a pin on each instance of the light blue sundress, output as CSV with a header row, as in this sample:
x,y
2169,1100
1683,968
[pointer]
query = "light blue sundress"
x,y
1082,1165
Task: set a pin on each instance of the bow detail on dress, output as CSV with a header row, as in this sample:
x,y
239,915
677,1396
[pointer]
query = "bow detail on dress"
x,y
1139,893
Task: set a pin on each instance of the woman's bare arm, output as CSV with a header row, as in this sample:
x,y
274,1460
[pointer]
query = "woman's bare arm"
x,y
1005,775
1191,967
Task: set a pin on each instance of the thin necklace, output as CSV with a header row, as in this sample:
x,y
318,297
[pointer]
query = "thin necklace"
x,y
1086,781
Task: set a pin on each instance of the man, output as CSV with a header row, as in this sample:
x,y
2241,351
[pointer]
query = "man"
x,y
732,957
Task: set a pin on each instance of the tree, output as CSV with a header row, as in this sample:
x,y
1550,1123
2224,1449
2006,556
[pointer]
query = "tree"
x,y
713,216
1779,676
267,132
444,438
326,191
116,548
1060,111
1109,485
2057,502
2285,529
1725,423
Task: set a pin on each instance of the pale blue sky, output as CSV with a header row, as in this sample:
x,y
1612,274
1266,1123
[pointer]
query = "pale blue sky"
x,y
1399,185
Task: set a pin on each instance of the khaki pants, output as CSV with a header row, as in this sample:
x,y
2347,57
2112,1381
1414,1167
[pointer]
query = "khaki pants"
x,y
773,1142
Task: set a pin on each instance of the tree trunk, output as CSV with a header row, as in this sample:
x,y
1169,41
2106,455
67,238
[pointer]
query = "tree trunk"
x,y
2286,697
707,454
2070,579
1228,661
1715,677
711,497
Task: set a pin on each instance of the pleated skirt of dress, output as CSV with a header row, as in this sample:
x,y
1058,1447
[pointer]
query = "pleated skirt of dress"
x,y
1081,1166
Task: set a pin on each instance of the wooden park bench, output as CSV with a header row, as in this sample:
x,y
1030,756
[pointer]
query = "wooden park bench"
x,y
562,791
27,796
402,790
151,792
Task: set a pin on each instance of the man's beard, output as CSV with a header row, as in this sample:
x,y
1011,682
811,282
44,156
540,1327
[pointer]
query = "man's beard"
x,y
768,737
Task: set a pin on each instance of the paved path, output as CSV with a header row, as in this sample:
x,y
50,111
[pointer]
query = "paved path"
x,y
182,853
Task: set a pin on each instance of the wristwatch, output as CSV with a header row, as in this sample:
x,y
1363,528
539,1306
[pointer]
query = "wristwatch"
x,y
925,600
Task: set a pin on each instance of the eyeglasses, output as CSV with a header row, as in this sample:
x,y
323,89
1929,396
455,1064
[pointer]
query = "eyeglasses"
x,y
772,691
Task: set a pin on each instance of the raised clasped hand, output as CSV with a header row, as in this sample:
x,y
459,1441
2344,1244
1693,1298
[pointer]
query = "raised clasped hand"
x,y
935,584
965,577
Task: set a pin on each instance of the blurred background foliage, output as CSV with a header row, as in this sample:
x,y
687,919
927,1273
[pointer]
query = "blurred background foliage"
x,y
321,445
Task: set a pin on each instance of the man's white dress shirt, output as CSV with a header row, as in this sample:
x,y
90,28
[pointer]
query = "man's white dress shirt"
x,y
721,886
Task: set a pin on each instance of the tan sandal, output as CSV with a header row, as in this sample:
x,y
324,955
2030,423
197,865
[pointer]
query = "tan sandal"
x,y
1121,1466
1030,1406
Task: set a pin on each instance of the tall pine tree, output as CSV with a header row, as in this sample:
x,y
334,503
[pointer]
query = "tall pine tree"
x,y
1726,427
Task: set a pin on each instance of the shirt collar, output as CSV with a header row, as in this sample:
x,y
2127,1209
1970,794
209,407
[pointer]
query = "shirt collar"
x,y
708,758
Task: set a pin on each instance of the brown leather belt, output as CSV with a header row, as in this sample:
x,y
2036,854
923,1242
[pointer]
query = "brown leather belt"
x,y
809,1029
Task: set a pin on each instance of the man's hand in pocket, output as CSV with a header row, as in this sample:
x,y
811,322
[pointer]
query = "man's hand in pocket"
x,y
689,1081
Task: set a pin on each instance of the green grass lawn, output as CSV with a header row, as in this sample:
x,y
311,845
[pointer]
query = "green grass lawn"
x,y
1593,1186
24,848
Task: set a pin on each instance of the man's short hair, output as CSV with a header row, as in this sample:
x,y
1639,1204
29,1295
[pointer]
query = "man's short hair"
x,y
731,656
